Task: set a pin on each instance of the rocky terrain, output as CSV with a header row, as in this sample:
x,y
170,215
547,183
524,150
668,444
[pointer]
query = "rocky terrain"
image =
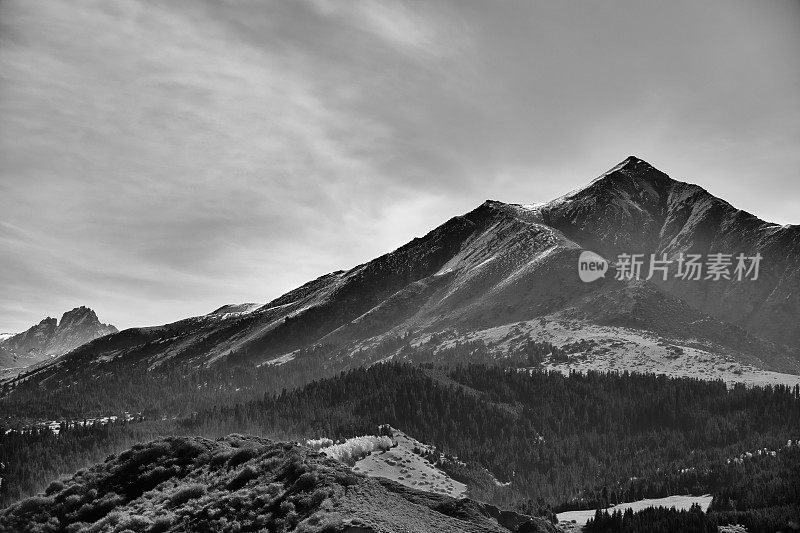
x,y
51,338
245,484
406,463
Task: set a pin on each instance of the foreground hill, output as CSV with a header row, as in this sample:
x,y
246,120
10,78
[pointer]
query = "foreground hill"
x,y
52,338
245,484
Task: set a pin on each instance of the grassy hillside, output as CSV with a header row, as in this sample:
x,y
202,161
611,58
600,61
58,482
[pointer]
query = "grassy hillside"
x,y
244,484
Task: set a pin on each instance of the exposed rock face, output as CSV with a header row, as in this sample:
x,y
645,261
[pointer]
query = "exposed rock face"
x,y
51,338
246,484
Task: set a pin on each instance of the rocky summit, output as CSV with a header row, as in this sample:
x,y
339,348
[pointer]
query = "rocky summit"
x,y
51,338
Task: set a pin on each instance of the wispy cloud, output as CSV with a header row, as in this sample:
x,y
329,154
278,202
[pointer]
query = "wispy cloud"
x,y
160,159
418,30
166,146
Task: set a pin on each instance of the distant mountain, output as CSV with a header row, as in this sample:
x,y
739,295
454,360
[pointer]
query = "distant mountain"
x,y
51,338
503,273
246,484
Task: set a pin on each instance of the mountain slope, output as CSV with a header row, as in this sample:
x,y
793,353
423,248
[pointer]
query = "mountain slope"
x,y
504,263
52,338
245,484
635,208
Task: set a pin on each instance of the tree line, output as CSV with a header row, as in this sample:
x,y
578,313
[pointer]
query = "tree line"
x,y
576,441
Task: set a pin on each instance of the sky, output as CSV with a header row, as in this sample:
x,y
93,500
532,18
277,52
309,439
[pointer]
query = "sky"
x,y
161,159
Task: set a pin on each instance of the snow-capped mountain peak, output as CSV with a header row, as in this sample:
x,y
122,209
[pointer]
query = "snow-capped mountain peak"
x,y
240,309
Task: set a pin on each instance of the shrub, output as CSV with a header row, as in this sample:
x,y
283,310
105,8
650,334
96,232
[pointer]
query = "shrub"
x,y
187,493
221,457
286,508
246,474
318,444
55,486
160,524
305,482
356,448
136,523
34,505
96,509
242,456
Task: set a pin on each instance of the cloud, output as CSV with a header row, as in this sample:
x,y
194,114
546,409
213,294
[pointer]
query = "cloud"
x,y
411,30
158,160
170,155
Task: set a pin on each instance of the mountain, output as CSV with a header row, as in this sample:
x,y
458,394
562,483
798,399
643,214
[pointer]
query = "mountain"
x,y
635,208
246,484
507,273
51,338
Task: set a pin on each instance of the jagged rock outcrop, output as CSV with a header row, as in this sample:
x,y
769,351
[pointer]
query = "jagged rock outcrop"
x,y
52,338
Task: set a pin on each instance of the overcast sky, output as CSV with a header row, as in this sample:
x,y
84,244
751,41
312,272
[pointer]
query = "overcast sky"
x,y
160,159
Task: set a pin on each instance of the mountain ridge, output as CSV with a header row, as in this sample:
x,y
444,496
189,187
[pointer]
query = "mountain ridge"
x,y
502,263
694,221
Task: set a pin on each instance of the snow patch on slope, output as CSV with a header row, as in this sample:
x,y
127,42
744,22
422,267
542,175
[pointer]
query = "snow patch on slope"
x,y
678,502
277,361
231,310
616,349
